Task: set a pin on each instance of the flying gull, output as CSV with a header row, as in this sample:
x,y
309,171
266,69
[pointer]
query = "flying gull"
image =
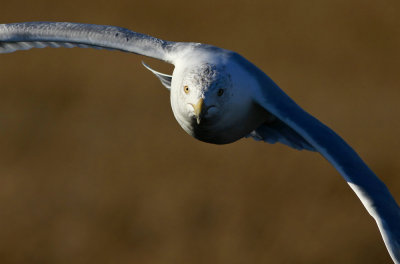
x,y
217,96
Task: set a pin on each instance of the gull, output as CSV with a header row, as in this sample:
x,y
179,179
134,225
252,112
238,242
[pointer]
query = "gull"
x,y
219,97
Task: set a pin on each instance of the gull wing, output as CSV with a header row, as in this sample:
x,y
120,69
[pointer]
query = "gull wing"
x,y
23,36
372,192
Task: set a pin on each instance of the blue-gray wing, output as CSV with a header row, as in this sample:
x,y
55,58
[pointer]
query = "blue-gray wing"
x,y
23,36
372,192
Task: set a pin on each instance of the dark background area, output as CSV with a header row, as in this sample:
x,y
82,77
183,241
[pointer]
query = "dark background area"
x,y
95,169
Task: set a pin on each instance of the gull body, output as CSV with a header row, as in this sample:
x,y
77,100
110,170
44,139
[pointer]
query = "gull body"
x,y
218,96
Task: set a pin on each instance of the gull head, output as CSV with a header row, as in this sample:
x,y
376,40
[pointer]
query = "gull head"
x,y
208,105
199,97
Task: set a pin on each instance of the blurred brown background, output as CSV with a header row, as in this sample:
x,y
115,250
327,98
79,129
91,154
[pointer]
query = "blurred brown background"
x,y
94,168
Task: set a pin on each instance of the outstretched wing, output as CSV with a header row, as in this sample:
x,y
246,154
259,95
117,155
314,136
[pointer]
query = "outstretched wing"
x,y
372,192
23,36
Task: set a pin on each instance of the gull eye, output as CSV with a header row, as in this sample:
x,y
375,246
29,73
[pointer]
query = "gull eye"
x,y
220,92
186,89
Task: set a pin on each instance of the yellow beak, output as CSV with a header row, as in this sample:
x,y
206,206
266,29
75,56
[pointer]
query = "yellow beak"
x,y
197,109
